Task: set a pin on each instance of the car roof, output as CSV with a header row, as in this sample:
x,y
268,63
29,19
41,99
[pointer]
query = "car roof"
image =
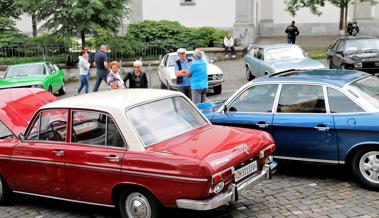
x,y
112,100
337,78
26,64
175,53
357,37
268,46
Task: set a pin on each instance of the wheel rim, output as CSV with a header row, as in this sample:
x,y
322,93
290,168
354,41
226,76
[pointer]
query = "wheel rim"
x,y
369,166
137,206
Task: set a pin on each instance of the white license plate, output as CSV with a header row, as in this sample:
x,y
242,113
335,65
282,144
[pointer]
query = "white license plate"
x,y
245,171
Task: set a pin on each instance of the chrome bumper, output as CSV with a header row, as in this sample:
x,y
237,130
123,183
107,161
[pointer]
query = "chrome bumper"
x,y
231,194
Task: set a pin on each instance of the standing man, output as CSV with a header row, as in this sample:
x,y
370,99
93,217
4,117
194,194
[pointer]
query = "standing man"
x,y
198,77
292,32
101,61
181,68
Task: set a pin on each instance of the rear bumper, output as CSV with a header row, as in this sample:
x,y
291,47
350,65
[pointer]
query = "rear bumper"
x,y
231,194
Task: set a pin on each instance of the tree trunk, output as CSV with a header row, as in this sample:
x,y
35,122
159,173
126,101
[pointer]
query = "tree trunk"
x,y
343,17
34,25
83,36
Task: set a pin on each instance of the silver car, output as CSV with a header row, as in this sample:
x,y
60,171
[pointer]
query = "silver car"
x,y
166,72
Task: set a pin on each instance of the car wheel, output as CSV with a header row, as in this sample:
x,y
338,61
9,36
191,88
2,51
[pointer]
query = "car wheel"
x,y
249,75
138,204
62,90
365,167
330,63
50,89
217,89
5,192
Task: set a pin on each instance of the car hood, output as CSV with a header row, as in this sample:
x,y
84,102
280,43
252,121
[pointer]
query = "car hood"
x,y
211,70
21,81
218,146
364,57
297,64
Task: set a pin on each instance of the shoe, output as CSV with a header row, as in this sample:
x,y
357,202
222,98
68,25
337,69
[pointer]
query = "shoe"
x,y
226,56
233,56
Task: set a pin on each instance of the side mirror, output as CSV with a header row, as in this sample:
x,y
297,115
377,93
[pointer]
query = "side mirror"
x,y
225,109
21,137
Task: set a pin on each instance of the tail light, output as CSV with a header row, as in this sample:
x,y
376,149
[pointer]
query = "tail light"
x,y
267,151
219,180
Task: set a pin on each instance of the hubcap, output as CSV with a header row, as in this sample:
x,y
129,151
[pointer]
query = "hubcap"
x,y
369,166
137,206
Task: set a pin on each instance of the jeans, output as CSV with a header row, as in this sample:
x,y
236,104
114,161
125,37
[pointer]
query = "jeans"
x,y
100,76
83,79
185,90
198,95
291,40
229,50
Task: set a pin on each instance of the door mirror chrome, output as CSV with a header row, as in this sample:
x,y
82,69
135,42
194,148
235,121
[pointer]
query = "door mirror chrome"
x,y
21,137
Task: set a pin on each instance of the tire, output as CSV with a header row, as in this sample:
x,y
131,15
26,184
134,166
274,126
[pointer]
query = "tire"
x,y
365,167
62,90
149,206
5,192
249,75
217,89
50,89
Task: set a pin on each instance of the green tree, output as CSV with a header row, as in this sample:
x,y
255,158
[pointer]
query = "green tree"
x,y
294,5
73,17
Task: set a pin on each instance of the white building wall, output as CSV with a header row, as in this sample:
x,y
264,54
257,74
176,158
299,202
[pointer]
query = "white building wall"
x,y
24,24
213,13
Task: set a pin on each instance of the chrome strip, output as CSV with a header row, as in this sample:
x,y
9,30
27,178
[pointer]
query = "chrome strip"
x,y
166,176
5,158
37,161
64,199
93,167
309,160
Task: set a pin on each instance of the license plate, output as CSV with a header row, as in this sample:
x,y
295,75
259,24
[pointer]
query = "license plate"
x,y
245,171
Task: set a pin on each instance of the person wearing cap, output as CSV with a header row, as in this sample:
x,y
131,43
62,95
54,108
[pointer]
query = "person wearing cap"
x,y
137,78
181,68
198,77
114,78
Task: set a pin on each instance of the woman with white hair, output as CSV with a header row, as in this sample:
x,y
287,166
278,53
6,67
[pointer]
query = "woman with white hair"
x,y
137,78
198,77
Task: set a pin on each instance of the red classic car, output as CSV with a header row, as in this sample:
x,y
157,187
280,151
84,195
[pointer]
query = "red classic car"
x,y
136,150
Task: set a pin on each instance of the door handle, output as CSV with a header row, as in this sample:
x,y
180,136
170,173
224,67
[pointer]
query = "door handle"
x,y
113,158
322,127
58,153
262,124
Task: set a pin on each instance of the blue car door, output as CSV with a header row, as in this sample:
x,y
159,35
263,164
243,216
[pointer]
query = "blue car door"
x,y
302,128
251,108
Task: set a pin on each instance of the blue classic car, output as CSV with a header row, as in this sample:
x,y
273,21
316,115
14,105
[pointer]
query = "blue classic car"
x,y
274,58
326,116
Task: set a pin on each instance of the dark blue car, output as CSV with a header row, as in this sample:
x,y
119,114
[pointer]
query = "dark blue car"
x,y
326,116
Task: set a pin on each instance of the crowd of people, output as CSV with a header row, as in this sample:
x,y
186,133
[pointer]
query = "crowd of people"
x,y
192,76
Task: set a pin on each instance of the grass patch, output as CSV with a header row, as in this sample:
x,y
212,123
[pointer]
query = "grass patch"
x,y
317,54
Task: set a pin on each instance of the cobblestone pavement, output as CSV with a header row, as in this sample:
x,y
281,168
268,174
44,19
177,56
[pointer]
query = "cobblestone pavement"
x,y
296,190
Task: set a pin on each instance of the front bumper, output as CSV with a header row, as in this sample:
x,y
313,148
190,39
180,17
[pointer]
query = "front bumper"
x,y
231,194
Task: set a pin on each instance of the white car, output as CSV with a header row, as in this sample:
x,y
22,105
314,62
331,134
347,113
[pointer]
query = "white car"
x,y
167,75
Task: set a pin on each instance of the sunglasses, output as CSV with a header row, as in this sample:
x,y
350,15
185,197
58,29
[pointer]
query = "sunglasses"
x,y
137,67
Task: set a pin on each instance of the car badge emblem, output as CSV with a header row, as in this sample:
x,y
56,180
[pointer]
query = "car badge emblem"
x,y
242,147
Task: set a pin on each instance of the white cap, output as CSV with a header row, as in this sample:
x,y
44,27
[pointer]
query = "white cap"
x,y
181,50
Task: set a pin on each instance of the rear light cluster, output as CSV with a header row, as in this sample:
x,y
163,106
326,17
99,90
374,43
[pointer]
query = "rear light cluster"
x,y
220,180
267,151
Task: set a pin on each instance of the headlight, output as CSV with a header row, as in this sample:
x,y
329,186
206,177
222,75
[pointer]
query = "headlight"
x,y
37,86
217,77
358,65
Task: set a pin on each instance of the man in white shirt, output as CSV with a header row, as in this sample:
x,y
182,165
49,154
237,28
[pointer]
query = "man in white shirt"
x,y
229,45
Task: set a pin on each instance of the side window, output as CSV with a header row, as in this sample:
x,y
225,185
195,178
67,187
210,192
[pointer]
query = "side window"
x,y
34,131
4,131
255,99
51,68
95,128
53,126
340,46
165,60
260,54
335,45
301,99
339,103
256,52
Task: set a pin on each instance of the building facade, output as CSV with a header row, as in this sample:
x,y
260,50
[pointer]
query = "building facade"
x,y
247,19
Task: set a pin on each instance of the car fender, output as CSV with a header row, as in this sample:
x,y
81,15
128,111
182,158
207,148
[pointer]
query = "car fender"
x,y
349,154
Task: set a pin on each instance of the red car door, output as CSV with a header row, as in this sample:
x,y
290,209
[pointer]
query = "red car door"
x,y
38,161
93,157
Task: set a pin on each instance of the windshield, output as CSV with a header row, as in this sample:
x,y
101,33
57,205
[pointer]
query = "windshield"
x,y
164,119
29,70
175,57
361,45
368,89
284,53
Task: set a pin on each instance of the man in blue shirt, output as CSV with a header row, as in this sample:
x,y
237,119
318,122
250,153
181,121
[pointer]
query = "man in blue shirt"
x,y
102,69
181,68
199,77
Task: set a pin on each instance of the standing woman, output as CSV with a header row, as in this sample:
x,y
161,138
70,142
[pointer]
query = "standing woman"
x,y
137,78
83,66
114,78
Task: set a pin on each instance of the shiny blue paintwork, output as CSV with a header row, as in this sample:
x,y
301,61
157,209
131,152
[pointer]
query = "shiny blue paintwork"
x,y
295,134
260,66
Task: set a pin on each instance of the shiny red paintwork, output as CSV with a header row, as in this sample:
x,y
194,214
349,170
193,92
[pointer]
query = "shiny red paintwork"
x,y
178,168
